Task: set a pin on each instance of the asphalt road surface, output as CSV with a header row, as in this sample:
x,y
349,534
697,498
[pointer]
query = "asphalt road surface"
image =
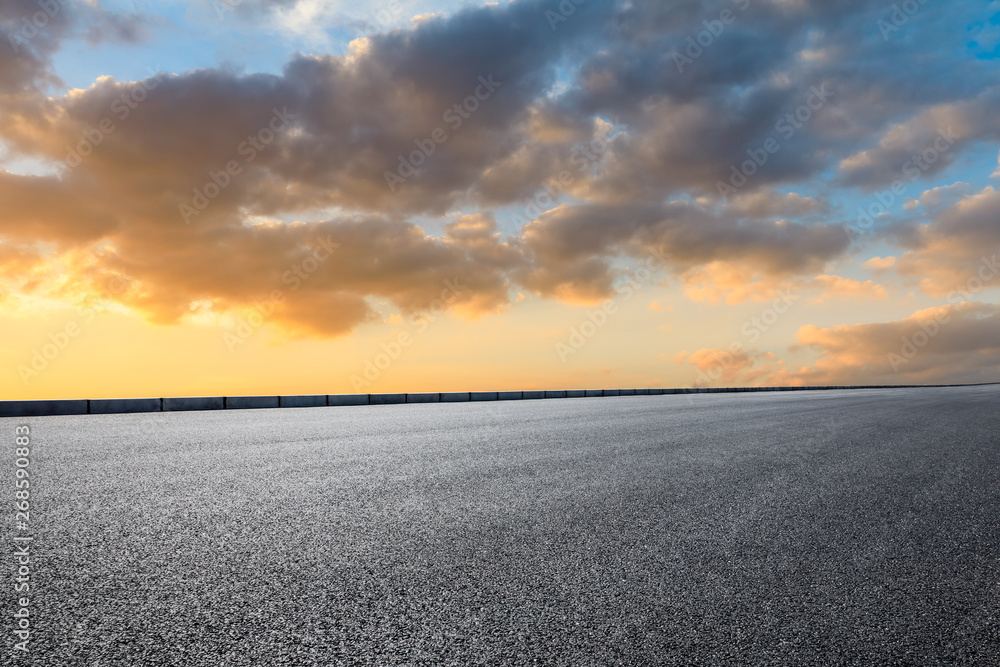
x,y
820,528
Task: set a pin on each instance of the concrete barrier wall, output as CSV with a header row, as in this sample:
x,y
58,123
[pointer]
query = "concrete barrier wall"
x,y
193,403
347,399
115,406
130,405
315,401
423,398
251,402
42,408
386,399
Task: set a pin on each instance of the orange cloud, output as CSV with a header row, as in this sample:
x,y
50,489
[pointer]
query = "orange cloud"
x,y
958,249
959,343
880,264
728,367
722,281
846,288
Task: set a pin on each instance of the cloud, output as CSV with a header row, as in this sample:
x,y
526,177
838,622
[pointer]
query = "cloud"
x,y
944,196
106,27
728,367
596,106
880,264
926,144
172,137
769,203
688,126
721,281
731,283
167,271
946,344
838,287
713,254
34,32
958,248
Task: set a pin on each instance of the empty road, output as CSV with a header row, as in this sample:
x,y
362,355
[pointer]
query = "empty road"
x,y
834,528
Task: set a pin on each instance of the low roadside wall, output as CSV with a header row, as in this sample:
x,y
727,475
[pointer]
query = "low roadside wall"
x,y
104,406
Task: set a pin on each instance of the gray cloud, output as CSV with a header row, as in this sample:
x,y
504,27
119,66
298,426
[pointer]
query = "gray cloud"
x,y
674,135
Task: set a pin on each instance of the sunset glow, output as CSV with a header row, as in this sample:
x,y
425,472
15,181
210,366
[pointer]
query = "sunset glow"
x,y
209,197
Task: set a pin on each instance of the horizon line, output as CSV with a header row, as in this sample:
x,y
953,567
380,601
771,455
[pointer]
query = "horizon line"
x,y
87,406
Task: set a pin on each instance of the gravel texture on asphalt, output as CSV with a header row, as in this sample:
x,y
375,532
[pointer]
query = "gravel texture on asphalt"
x,y
820,528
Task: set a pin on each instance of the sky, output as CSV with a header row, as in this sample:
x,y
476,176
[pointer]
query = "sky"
x,y
237,197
